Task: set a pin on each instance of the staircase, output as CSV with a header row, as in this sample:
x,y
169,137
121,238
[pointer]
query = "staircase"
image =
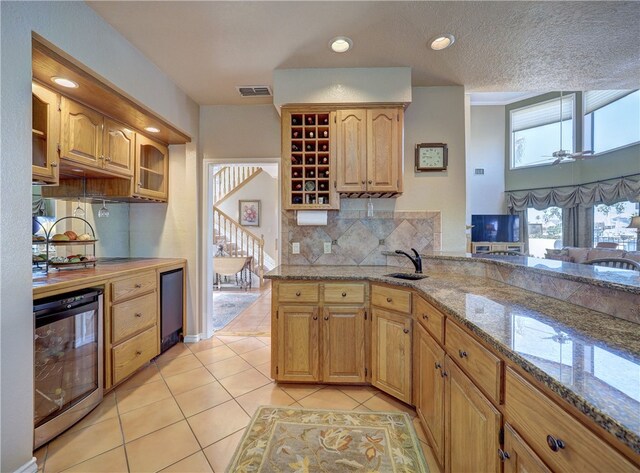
x,y
234,239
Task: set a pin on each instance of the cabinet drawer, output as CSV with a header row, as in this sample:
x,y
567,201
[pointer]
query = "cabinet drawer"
x,y
132,354
132,316
392,299
298,292
133,286
430,318
344,293
540,421
479,363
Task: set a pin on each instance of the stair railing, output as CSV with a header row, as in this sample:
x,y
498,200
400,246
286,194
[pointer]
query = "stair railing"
x,y
229,178
239,241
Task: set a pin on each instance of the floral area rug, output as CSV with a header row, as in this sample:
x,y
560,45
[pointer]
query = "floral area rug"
x,y
284,439
228,305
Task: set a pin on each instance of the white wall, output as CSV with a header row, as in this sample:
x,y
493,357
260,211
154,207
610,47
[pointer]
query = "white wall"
x,y
79,31
485,149
265,188
436,115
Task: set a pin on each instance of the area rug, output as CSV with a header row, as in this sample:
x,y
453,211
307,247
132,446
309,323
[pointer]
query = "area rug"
x,y
287,439
228,305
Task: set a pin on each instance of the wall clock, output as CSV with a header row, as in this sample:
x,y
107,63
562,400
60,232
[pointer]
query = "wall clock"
x,y
431,157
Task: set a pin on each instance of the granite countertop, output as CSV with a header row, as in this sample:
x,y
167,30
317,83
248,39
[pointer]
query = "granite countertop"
x,y
590,359
104,269
622,280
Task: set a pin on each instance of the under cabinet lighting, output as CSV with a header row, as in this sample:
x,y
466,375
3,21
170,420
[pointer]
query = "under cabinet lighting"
x,y
64,82
152,129
340,44
442,41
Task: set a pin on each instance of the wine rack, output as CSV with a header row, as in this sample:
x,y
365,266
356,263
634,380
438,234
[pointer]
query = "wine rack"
x,y
307,143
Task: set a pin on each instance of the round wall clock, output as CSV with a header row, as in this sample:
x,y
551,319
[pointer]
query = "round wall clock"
x,y
431,157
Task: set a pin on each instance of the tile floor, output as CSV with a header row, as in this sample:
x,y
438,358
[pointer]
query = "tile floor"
x,y
256,319
187,410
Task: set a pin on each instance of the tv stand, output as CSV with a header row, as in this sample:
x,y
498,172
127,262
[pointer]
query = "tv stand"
x,y
487,246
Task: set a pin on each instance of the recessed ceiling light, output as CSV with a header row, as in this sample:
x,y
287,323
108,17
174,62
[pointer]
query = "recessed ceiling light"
x,y
64,82
442,41
340,44
152,129
77,170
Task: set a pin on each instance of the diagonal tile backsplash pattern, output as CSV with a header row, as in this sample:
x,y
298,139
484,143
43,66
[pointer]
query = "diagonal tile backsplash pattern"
x,y
360,240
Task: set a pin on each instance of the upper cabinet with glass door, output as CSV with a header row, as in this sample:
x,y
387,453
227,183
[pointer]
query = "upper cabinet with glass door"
x,y
152,170
46,135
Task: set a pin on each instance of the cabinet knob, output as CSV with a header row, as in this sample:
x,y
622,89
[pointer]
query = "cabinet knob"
x,y
503,455
370,182
298,294
138,285
444,374
315,317
139,184
138,314
438,365
326,317
406,330
54,165
389,299
344,294
554,443
107,159
100,157
425,317
138,353
462,353
363,183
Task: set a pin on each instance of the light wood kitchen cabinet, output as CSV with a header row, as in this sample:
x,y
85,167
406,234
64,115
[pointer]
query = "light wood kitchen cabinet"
x,y
151,178
369,150
428,382
391,353
343,344
472,425
82,130
557,438
517,456
298,343
45,125
118,143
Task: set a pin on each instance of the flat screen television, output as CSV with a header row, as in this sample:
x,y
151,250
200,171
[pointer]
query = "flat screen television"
x,y
498,228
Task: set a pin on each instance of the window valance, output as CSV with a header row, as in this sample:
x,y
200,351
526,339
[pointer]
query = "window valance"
x,y
602,192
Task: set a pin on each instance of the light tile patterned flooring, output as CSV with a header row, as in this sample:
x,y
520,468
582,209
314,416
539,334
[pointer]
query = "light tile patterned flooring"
x,y
255,319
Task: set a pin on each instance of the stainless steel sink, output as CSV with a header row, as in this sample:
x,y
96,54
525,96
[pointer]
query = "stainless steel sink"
x,y
410,276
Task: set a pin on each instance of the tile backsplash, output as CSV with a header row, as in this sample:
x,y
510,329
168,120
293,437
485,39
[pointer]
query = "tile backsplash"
x,y
358,239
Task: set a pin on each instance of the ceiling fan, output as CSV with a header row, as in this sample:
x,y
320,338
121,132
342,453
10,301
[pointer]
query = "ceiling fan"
x,y
564,156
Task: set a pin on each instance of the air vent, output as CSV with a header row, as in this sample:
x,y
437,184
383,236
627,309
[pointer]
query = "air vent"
x,y
254,90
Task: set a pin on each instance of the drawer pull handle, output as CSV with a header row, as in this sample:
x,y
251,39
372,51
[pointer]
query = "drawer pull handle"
x,y
344,294
326,317
438,365
138,353
370,182
389,299
406,330
504,456
315,317
138,314
298,294
444,374
425,317
138,285
462,353
554,443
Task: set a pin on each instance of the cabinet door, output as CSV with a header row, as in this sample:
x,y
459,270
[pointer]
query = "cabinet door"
x,y
429,388
81,134
518,456
391,353
384,156
46,134
343,345
298,346
118,147
472,425
152,169
351,150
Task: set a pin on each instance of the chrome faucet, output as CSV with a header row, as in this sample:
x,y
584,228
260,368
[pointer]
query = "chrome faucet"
x,y
417,261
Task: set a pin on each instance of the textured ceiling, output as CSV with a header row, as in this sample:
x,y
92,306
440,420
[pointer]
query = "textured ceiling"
x,y
208,48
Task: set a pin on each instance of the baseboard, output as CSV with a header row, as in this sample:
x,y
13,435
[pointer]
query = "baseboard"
x,y
192,338
30,467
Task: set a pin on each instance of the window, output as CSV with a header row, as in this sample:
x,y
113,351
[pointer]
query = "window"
x,y
610,224
545,230
611,119
536,131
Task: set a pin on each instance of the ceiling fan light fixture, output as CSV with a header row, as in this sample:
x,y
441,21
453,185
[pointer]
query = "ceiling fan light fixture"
x,y
442,41
340,44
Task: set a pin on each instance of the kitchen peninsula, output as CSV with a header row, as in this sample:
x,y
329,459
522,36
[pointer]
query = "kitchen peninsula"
x,y
531,375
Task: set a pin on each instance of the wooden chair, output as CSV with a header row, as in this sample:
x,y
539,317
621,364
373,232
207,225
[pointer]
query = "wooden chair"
x,y
617,263
607,244
504,253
